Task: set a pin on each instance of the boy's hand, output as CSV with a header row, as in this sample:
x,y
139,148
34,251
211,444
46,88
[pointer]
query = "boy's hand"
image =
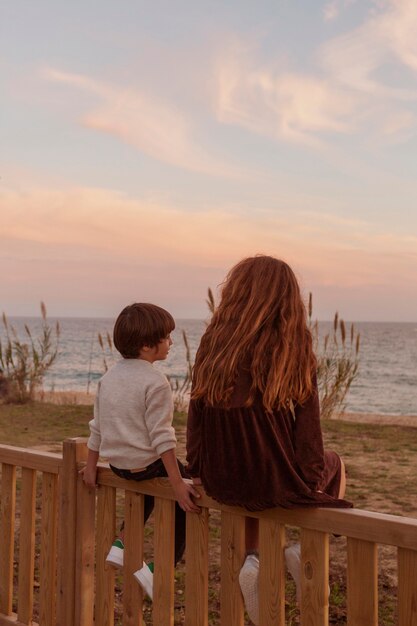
x,y
184,492
89,472
89,475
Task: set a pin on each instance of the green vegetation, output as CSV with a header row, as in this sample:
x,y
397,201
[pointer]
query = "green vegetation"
x,y
39,423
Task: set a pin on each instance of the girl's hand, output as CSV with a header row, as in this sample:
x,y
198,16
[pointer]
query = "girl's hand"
x,y
197,481
184,492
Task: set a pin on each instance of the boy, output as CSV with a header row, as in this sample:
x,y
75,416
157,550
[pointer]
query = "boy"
x,y
132,425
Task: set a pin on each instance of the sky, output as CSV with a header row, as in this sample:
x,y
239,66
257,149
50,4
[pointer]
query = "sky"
x,y
146,147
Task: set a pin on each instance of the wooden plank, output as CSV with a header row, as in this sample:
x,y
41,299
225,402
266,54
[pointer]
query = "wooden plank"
x,y
133,558
106,531
407,587
84,554
232,558
164,540
48,556
8,507
314,578
74,451
271,573
196,573
362,583
26,546
31,459
374,527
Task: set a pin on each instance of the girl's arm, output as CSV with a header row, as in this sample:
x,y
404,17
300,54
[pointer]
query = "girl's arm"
x,y
193,439
309,449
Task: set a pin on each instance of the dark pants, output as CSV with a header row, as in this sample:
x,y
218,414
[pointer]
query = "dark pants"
x,y
157,470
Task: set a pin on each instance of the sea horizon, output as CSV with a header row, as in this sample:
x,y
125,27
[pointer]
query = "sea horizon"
x,y
386,383
198,319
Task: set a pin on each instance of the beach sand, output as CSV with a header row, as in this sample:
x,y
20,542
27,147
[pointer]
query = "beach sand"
x,y
81,397
65,397
378,418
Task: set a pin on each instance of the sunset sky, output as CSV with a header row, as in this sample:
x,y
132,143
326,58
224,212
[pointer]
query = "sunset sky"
x,y
148,146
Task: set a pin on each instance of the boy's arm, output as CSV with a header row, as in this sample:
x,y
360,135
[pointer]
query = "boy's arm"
x,y
182,490
89,472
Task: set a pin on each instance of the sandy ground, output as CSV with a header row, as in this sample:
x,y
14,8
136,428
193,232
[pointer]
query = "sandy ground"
x,y
375,418
65,397
81,397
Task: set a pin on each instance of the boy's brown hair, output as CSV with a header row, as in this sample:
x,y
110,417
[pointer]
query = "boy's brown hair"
x,y
141,324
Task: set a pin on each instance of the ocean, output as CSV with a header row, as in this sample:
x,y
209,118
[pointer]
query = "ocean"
x,y
386,382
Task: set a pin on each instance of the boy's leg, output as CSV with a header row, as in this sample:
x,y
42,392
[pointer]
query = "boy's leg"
x,y
149,506
157,470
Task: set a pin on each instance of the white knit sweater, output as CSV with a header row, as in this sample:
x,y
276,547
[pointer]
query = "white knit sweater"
x,y
133,413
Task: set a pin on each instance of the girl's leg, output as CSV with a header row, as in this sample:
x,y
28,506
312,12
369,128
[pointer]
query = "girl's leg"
x,y
249,574
180,522
342,488
251,535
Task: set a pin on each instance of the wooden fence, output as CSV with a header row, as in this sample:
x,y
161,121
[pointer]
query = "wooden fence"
x,y
75,526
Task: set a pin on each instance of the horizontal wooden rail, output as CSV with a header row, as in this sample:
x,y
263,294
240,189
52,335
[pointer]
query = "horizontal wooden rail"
x,y
31,459
87,525
382,528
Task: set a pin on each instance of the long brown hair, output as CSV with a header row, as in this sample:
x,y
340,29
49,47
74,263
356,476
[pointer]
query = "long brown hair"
x,y
261,319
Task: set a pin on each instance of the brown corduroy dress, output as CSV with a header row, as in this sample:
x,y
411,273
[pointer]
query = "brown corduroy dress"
x,y
247,457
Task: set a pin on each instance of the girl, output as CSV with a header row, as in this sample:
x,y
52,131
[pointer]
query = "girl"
x,y
253,436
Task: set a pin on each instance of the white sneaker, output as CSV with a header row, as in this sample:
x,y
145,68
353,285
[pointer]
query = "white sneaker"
x,y
115,555
249,584
293,561
144,577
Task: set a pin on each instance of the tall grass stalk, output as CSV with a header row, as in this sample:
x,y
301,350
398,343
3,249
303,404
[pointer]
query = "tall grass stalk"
x,y
181,387
337,362
24,364
103,346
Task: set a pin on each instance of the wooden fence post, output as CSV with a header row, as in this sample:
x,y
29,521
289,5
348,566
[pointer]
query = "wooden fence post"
x,y
272,573
73,451
84,555
314,578
232,558
362,583
407,587
196,574
8,507
105,574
